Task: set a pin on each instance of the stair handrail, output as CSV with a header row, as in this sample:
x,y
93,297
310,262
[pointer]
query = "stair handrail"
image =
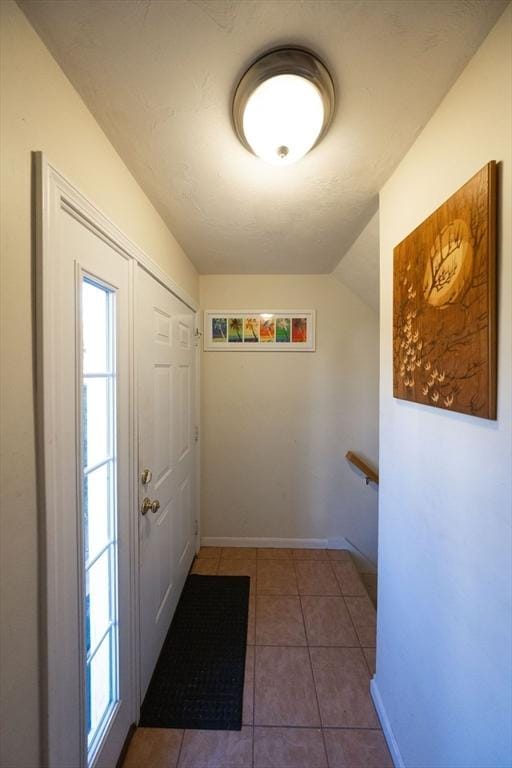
x,y
370,475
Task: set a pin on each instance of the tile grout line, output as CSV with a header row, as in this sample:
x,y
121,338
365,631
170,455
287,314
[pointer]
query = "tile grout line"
x,y
318,728
311,645
314,681
358,640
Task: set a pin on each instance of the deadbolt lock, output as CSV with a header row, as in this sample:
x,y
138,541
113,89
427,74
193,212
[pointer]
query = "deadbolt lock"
x,y
155,506
146,476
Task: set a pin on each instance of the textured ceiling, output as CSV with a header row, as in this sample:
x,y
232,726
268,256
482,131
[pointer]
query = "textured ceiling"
x,y
159,76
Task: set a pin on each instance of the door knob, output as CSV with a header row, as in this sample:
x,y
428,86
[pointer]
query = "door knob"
x,y
146,505
155,506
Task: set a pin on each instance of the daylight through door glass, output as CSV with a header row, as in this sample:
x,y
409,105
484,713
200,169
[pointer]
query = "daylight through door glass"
x,y
99,509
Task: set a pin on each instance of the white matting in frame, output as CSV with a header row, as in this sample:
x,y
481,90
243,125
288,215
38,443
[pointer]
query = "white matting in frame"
x,y
256,330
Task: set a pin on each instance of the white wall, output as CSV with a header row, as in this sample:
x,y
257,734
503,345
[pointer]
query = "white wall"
x,y
41,111
444,624
276,426
359,267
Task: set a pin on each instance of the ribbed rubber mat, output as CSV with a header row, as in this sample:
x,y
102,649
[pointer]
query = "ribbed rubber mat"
x,y
199,677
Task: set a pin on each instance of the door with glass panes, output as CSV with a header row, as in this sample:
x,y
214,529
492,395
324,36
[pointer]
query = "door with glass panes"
x,y
102,278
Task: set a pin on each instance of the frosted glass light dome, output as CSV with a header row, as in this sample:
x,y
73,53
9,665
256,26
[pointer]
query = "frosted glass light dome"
x,y
283,105
283,119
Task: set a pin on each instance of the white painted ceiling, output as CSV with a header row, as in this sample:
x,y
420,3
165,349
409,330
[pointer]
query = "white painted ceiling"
x,y
159,76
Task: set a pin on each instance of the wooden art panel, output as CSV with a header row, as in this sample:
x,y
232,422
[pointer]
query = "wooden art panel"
x,y
444,304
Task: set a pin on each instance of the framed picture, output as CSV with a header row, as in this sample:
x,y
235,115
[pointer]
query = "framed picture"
x,y
258,330
444,304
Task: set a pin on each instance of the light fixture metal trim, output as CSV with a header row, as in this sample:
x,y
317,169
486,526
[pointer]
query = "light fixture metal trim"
x,y
283,61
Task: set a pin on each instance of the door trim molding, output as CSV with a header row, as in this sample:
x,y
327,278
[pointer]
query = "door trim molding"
x,y
53,192
76,203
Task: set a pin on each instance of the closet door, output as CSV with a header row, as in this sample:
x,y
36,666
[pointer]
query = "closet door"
x,y
166,401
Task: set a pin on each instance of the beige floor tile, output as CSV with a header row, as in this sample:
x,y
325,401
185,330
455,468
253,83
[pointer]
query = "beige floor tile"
x,y
370,656
327,621
276,577
357,749
274,553
285,692
343,687
238,567
206,566
279,621
248,709
363,615
242,553
154,748
338,554
251,627
348,578
289,748
316,578
217,749
209,552
310,554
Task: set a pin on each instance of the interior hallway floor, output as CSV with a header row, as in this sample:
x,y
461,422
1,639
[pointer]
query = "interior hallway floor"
x,y
310,656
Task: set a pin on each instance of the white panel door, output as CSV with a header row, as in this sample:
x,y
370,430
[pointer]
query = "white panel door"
x,y
166,397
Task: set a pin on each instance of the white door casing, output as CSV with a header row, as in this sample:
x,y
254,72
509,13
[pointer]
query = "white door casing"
x,y
166,387
62,211
81,252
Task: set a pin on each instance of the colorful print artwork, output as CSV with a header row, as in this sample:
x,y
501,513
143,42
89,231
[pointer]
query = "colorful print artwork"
x,y
236,326
259,330
267,329
283,329
299,329
219,330
251,330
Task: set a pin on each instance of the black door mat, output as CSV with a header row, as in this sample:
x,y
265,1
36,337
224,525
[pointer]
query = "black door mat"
x,y
198,681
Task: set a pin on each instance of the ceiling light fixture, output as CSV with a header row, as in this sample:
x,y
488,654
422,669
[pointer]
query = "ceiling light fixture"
x,y
283,105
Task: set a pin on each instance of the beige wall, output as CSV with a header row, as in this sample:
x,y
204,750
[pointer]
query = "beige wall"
x,y
444,668
41,111
276,426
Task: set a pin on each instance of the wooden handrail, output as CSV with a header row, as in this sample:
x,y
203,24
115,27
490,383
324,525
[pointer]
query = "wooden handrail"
x,y
369,473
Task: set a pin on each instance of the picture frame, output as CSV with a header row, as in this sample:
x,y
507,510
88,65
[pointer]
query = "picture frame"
x,y
444,304
257,330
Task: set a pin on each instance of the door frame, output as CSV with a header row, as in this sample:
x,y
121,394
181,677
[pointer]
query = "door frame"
x,y
53,194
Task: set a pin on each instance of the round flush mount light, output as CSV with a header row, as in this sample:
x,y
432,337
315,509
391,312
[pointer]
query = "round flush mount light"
x,y
283,105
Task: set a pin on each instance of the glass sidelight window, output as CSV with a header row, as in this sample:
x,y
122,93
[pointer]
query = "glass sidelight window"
x,y
99,509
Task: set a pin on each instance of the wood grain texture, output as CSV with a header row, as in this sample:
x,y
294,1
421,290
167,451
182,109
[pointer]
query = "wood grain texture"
x,y
444,304
365,468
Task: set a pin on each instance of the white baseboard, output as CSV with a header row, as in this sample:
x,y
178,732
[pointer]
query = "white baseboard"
x,y
234,541
362,561
386,726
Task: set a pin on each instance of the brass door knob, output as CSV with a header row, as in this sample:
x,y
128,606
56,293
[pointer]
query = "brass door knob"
x,y
146,505
155,506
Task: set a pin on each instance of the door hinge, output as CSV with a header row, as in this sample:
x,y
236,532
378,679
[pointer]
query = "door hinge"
x,y
196,434
196,527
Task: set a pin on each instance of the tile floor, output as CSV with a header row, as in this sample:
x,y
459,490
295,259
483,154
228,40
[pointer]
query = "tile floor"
x,y
310,656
